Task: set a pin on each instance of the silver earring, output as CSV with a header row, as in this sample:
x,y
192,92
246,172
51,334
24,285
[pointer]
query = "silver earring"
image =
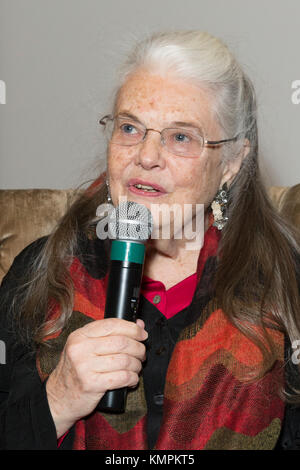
x,y
109,199
219,206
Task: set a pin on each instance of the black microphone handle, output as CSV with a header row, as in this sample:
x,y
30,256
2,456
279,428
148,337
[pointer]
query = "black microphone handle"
x,y
122,299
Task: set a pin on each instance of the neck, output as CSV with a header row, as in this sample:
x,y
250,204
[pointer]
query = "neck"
x,y
172,260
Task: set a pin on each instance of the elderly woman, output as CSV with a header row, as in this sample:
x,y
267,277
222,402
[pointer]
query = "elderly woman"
x,y
209,361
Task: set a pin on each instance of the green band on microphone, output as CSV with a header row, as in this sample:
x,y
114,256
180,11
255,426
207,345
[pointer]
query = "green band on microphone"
x,y
122,250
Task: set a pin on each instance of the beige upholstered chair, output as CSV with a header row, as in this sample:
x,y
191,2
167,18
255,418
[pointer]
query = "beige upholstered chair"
x,y
31,213
28,214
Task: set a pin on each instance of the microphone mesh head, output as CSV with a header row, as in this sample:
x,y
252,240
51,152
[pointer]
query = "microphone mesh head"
x,y
130,221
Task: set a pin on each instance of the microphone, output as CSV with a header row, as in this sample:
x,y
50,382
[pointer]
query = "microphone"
x,y
130,226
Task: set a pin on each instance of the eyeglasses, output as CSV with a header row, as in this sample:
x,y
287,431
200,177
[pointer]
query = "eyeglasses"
x,y
185,142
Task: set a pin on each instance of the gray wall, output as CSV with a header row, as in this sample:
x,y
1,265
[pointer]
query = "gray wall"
x,y
57,59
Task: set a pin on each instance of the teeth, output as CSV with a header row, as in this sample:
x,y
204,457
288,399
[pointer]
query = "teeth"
x,y
147,188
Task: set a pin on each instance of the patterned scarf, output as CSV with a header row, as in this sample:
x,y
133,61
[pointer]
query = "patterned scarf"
x,y
207,402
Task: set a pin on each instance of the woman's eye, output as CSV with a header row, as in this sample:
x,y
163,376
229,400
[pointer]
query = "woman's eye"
x,y
129,129
182,138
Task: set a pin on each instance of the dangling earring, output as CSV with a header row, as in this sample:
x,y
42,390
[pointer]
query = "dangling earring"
x,y
219,206
109,199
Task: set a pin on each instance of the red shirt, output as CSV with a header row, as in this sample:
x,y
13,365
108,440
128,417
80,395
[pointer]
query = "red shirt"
x,y
170,301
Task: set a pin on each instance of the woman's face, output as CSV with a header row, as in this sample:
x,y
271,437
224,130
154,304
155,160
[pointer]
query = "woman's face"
x,y
157,102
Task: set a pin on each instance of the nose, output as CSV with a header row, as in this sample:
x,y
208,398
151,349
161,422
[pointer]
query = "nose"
x,y
149,151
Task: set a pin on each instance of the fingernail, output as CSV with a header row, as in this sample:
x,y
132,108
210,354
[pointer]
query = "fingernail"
x,y
145,334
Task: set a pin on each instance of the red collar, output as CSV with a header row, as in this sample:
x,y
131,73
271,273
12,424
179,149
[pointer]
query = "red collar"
x,y
170,301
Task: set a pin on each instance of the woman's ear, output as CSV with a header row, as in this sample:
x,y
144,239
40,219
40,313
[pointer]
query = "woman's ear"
x,y
232,167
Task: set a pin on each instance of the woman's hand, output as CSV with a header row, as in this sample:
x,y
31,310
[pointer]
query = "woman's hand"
x,y
103,355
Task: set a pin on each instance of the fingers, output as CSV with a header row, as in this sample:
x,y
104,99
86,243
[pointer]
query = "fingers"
x,y
115,327
115,362
105,338
120,344
118,379
112,345
140,323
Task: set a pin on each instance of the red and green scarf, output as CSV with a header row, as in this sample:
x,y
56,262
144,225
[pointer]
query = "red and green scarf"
x,y
207,402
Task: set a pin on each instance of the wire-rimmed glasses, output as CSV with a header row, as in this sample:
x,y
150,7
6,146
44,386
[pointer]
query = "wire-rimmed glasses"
x,y
181,141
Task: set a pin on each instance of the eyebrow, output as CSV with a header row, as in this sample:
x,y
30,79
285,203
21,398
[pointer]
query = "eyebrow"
x,y
173,123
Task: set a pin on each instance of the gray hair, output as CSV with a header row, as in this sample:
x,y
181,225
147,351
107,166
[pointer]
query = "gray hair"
x,y
205,60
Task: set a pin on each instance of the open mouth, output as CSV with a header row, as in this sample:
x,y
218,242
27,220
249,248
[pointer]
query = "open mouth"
x,y
144,188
